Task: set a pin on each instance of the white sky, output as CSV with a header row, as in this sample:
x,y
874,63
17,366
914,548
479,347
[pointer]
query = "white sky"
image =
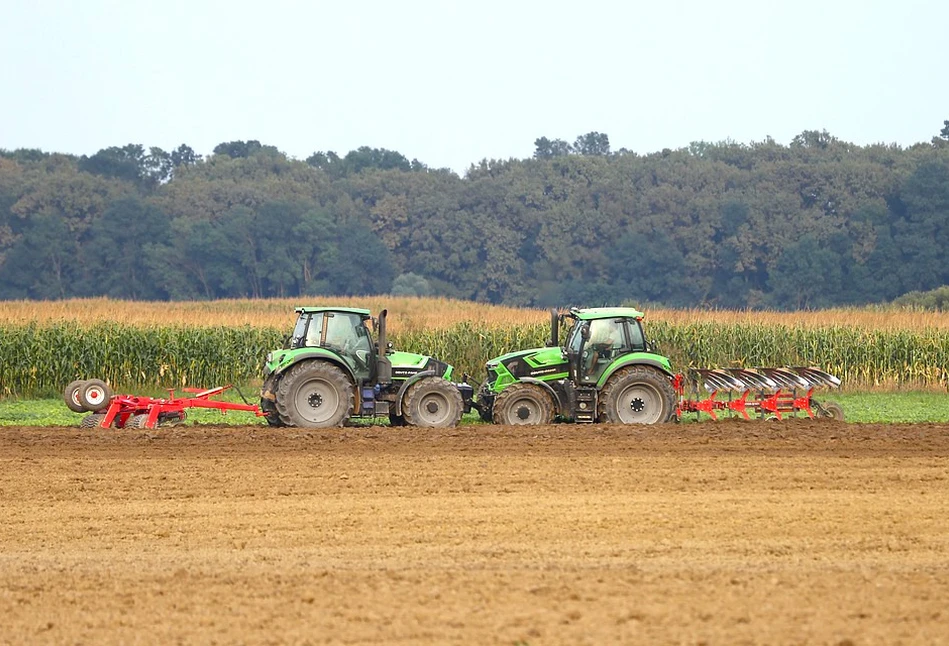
x,y
451,83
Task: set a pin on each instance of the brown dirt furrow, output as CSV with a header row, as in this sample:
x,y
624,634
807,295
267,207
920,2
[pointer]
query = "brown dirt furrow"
x,y
722,533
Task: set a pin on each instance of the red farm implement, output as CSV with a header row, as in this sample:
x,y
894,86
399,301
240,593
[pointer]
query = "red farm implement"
x,y
132,411
764,393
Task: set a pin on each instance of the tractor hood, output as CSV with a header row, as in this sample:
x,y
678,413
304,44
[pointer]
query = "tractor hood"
x,y
537,357
408,364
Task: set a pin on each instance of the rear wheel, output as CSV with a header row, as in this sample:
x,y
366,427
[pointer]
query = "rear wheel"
x,y
94,394
71,396
523,404
432,402
637,395
314,394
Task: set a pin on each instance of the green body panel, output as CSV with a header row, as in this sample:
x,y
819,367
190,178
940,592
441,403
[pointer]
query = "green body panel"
x,y
536,357
544,364
634,358
280,360
404,364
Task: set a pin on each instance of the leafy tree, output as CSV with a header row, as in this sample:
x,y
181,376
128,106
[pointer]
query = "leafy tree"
x,y
184,155
934,299
42,263
126,163
806,276
361,160
364,266
113,250
592,143
242,149
411,285
544,148
647,267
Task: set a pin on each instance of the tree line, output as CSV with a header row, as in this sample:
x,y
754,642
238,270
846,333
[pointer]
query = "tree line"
x,y
818,222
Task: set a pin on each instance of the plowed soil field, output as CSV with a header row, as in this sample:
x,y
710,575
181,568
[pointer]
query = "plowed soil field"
x,y
793,532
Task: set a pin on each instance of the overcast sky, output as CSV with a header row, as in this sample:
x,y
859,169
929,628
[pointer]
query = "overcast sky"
x,y
451,83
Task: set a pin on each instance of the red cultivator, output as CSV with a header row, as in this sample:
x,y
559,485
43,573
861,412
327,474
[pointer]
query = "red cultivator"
x,y
760,392
132,411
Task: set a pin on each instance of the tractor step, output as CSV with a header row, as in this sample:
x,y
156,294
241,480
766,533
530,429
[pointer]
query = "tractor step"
x,y
585,412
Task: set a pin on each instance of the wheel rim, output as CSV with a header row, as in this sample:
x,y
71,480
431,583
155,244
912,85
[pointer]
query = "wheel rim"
x,y
317,401
95,396
524,410
74,396
434,409
639,404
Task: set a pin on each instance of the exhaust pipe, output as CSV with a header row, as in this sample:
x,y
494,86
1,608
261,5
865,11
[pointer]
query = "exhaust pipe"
x,y
554,341
383,365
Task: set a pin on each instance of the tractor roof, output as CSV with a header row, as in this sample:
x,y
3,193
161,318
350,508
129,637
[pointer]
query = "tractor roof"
x,y
591,313
348,310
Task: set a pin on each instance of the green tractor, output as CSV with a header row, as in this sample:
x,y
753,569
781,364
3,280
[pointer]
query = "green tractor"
x,y
330,371
605,372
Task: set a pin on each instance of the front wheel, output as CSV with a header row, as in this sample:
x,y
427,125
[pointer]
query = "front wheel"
x,y
637,395
523,404
432,402
314,394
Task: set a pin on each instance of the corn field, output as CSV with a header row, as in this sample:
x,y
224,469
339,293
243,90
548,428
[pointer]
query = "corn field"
x,y
41,358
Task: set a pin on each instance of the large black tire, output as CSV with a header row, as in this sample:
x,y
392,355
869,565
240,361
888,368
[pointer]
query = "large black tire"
x,y
830,409
432,402
269,409
637,395
314,394
71,396
94,395
523,404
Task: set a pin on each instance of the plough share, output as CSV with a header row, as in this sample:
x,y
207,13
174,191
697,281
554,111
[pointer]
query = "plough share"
x,y
760,392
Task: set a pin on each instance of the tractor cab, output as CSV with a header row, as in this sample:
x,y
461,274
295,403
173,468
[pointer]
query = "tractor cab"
x,y
598,337
341,331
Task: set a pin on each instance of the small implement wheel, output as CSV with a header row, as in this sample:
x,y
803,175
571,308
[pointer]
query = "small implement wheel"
x,y
637,395
396,420
94,395
314,394
92,421
137,421
432,402
71,396
830,409
523,404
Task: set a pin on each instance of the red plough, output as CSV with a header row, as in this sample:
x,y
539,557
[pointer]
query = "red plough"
x,y
760,392
131,411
